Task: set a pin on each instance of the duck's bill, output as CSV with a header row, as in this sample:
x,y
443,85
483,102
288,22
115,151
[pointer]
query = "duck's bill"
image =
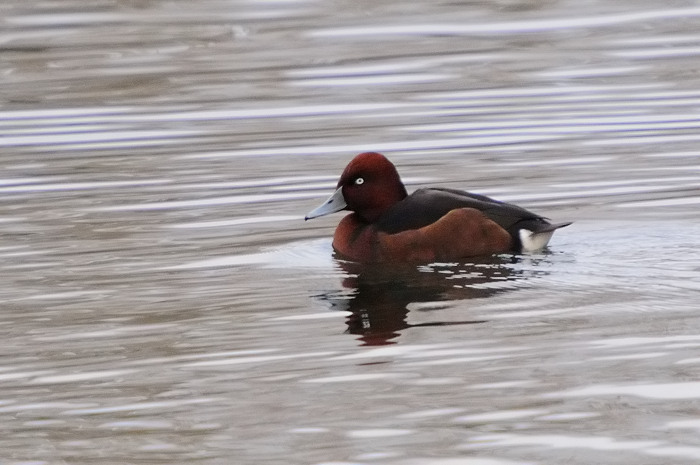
x,y
335,203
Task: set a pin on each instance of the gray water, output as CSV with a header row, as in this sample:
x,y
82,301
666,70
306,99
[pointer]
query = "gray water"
x,y
163,301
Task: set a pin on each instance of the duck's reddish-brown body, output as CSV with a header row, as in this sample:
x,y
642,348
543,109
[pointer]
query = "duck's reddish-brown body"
x,y
432,224
464,232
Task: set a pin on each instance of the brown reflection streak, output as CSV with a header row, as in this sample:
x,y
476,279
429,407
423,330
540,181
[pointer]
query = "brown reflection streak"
x,y
381,295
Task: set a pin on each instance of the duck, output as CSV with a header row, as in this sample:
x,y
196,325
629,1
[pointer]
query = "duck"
x,y
386,224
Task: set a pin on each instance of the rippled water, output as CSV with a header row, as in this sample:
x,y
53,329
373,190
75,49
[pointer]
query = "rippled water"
x,y
163,300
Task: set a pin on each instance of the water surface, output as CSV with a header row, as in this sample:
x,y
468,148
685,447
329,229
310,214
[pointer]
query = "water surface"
x,y
163,300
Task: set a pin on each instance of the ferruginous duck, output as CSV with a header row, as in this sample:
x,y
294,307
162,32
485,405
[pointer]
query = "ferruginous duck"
x,y
431,224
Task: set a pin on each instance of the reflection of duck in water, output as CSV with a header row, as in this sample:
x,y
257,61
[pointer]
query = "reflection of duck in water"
x,y
388,225
381,297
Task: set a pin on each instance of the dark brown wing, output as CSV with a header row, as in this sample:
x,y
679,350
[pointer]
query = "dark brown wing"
x,y
426,206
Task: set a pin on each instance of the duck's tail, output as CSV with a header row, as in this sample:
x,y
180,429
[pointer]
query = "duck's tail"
x,y
553,227
532,241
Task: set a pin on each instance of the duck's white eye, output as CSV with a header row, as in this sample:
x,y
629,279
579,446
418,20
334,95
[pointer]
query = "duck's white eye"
x,y
359,181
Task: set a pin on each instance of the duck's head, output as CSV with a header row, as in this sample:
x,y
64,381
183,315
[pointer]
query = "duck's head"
x,y
369,186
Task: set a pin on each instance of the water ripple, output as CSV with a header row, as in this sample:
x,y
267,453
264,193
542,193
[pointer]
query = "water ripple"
x,y
508,27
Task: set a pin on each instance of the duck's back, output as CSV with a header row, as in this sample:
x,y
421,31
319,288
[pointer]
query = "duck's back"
x,y
426,206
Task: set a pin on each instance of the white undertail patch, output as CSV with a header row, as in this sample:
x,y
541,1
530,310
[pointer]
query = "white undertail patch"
x,y
532,242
